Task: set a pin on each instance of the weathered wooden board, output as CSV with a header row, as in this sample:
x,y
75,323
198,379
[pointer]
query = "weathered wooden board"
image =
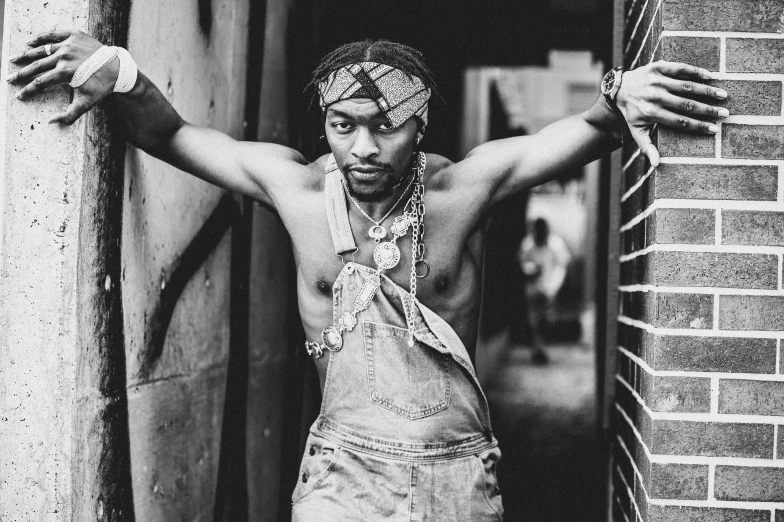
x,y
176,441
197,59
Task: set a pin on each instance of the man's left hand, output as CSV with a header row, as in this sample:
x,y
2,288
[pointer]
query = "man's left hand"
x,y
662,92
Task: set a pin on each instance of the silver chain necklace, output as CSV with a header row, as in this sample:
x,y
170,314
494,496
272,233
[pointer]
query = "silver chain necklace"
x,y
377,232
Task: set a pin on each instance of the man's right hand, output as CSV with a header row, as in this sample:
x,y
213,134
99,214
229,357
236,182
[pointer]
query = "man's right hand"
x,y
69,50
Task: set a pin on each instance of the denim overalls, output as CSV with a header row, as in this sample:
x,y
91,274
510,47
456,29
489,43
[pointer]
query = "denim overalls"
x,y
403,433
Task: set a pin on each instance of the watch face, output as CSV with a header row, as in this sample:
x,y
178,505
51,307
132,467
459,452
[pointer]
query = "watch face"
x,y
608,82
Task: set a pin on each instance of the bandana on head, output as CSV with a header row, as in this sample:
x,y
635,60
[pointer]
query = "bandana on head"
x,y
398,94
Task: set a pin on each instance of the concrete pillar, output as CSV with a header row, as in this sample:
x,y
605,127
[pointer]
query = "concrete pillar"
x,y
64,449
699,392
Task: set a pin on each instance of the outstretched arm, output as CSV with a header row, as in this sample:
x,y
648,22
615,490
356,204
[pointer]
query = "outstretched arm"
x,y
150,121
659,93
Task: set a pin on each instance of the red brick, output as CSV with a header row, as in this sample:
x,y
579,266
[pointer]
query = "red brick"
x,y
673,143
751,312
694,50
749,397
711,439
684,225
679,481
710,354
752,141
723,15
741,483
669,310
676,394
712,269
779,516
755,55
683,311
752,228
705,514
735,182
751,98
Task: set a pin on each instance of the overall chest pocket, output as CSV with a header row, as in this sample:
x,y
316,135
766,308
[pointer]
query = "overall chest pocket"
x,y
413,382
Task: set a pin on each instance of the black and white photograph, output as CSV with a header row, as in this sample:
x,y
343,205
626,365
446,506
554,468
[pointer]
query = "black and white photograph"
x,y
392,260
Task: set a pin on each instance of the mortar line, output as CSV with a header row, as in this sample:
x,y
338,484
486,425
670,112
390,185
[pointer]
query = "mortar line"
x,y
775,438
725,204
766,377
744,334
779,274
716,315
722,54
724,34
781,178
711,481
717,238
717,140
718,504
704,249
714,397
778,356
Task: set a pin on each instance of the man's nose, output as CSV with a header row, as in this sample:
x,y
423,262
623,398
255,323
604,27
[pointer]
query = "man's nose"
x,y
365,145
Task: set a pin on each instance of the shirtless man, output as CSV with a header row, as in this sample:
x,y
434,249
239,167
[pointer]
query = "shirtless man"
x,y
404,431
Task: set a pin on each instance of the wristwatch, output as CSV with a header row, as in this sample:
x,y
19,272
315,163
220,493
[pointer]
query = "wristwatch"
x,y
611,84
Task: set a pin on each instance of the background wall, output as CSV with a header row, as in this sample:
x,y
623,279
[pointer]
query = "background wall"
x,y
699,389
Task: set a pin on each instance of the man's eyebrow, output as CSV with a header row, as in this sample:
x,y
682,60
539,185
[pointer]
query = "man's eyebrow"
x,y
339,114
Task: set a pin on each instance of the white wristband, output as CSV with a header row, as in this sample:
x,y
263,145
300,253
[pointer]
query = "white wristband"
x,y
126,79
96,60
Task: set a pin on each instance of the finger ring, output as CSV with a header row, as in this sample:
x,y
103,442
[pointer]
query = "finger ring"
x,y
48,49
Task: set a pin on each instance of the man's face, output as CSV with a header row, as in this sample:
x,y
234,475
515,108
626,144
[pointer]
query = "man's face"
x,y
372,154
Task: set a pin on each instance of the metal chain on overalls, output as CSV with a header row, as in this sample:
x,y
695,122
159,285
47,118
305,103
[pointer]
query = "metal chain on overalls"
x,y
417,248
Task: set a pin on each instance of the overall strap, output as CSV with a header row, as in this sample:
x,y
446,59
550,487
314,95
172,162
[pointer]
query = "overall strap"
x,y
337,212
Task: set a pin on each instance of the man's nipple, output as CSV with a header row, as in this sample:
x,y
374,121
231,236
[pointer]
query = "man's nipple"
x,y
323,286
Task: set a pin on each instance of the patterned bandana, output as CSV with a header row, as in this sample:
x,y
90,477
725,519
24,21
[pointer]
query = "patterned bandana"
x,y
398,95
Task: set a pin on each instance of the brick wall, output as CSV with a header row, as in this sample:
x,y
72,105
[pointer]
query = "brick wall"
x,y
700,384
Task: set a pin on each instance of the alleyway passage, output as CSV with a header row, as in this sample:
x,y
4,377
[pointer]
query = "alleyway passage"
x,y
544,417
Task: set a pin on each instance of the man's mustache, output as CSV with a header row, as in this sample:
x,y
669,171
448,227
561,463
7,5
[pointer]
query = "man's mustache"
x,y
370,165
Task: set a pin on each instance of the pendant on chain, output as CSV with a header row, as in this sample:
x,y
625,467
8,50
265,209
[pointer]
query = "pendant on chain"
x,y
386,255
377,233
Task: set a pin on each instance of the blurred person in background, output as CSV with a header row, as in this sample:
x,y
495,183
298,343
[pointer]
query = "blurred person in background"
x,y
544,257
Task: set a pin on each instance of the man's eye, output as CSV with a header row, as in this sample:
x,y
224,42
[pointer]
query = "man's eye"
x,y
342,126
386,127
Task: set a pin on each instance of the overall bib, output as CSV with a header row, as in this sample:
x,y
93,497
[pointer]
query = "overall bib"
x,y
403,432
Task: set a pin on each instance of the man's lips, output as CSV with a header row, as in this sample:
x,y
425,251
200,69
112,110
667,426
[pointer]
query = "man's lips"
x,y
367,174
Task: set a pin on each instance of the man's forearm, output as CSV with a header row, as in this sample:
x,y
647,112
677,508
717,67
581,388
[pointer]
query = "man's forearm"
x,y
149,119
